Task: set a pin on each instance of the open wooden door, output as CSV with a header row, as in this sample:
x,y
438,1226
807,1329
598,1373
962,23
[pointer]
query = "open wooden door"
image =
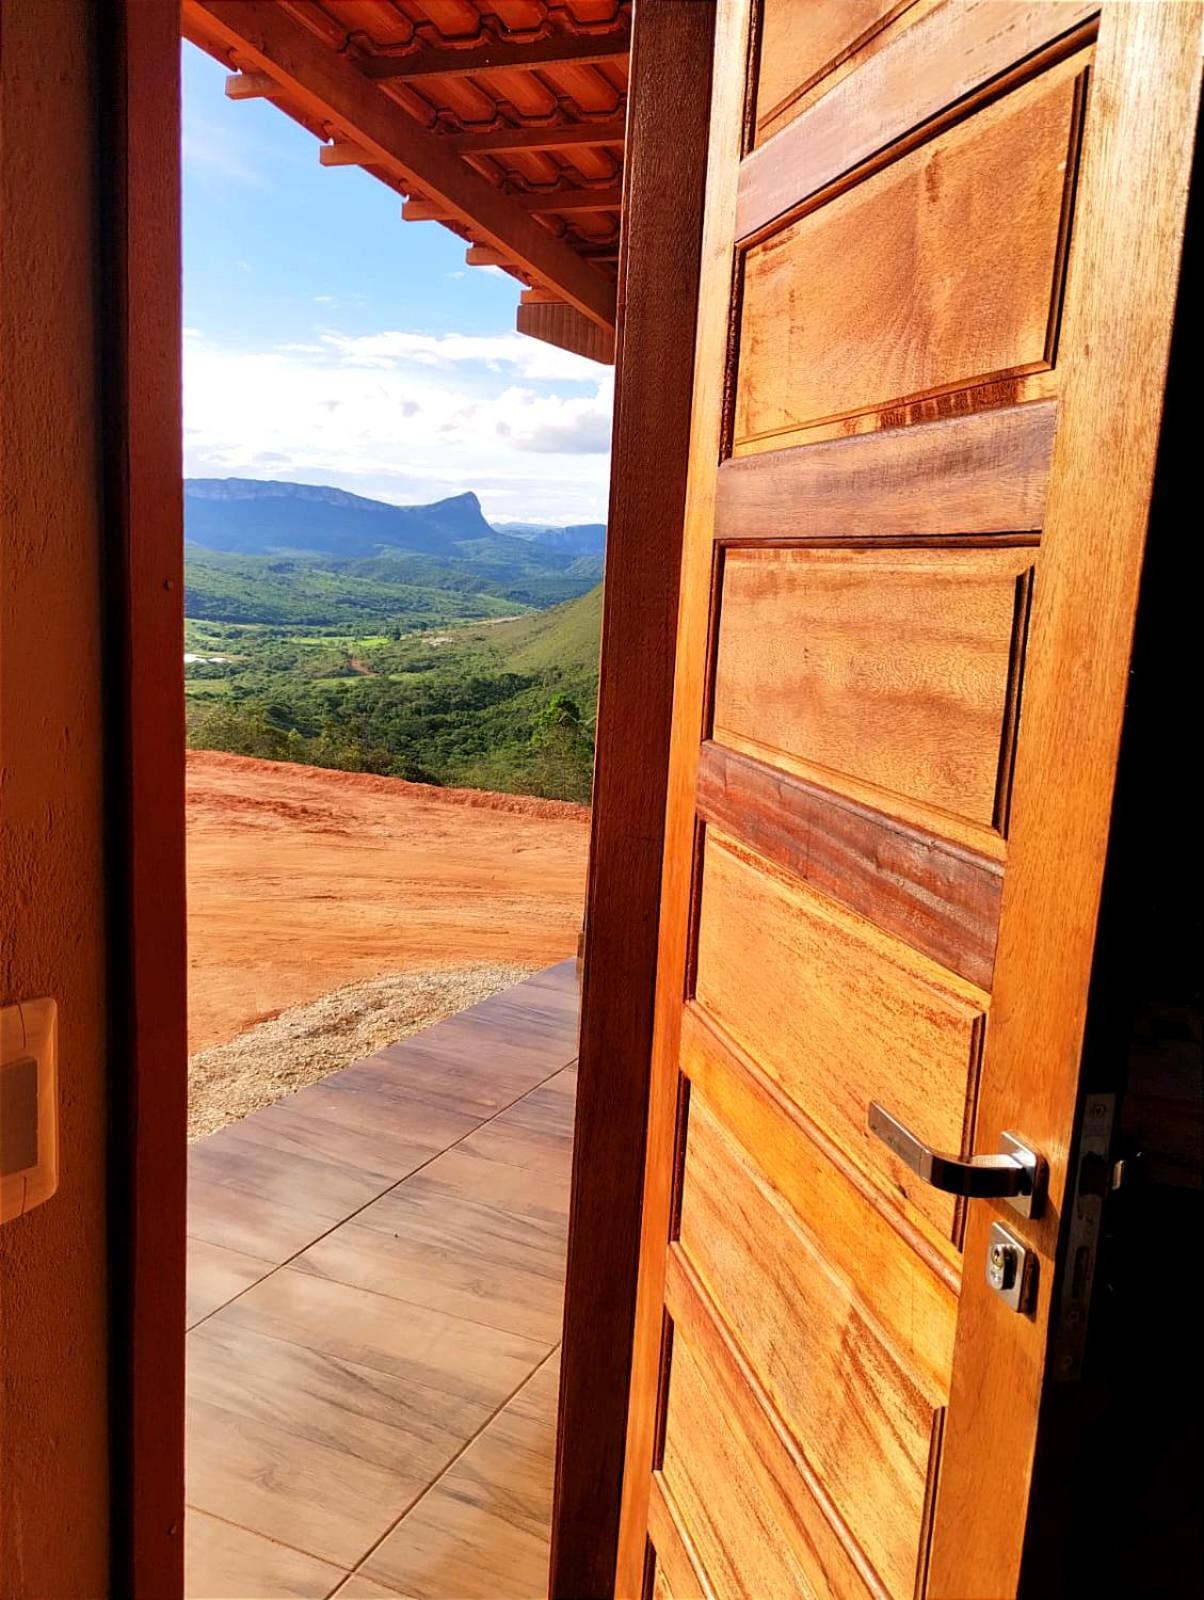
x,y
939,269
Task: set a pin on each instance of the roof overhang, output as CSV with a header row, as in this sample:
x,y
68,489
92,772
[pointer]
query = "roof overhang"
x,y
504,120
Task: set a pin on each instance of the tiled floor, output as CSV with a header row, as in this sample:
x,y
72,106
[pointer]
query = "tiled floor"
x,y
375,1280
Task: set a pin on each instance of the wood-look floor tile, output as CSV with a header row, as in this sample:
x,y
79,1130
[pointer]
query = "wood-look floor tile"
x,y
536,1132
481,1532
216,1275
559,980
275,1409
476,1172
562,974
373,1132
565,1081
515,1050
222,1562
475,1364
239,1159
330,1395
357,1587
500,1296
474,1253
440,1074
249,1223
541,1042
321,1500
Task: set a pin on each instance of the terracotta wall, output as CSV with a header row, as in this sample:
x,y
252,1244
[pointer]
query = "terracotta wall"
x,y
53,1443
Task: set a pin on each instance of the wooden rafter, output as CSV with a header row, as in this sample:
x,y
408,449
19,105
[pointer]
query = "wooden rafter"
x,y
574,49
251,86
499,141
609,199
343,153
423,211
332,89
480,255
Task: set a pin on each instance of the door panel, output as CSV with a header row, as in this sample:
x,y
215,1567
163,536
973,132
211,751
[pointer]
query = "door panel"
x,y
899,670
863,1236
901,659
712,1469
829,1372
894,323
837,1015
799,45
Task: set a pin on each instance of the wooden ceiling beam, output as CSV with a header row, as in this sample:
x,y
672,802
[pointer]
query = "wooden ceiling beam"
x,y
423,211
343,153
329,88
610,199
481,255
500,141
251,86
561,49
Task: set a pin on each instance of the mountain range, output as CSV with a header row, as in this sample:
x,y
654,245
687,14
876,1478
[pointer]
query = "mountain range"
x,y
260,517
273,552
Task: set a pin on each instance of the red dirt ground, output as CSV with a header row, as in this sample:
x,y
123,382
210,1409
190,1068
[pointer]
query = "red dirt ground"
x,y
300,880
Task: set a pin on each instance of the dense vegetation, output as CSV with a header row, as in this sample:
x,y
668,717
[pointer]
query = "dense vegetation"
x,y
506,705
233,588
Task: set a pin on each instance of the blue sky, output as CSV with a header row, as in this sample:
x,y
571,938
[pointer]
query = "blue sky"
x,y
327,342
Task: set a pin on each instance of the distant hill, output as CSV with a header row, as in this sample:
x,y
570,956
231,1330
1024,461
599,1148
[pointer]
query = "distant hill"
x,y
282,553
579,538
564,639
253,517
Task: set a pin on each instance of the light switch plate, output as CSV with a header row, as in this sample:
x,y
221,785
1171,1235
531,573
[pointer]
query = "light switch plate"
x,y
29,1154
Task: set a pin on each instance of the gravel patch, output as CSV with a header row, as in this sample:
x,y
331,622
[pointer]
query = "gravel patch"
x,y
305,1043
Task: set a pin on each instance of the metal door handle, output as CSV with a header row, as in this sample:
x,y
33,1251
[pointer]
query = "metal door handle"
x,y
1016,1174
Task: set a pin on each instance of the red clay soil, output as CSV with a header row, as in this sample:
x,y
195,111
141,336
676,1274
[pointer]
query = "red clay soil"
x,y
300,880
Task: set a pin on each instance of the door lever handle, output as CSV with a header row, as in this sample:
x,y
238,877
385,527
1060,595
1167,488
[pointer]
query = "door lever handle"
x,y
1016,1174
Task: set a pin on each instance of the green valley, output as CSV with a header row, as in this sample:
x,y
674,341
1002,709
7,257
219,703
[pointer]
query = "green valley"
x,y
505,705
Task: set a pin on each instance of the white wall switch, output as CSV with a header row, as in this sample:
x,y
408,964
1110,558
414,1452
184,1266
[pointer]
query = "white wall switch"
x,y
29,1131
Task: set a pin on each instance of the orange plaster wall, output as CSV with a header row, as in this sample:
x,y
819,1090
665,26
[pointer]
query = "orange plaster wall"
x,y
53,1280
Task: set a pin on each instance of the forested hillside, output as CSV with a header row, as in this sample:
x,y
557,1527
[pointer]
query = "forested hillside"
x,y
503,705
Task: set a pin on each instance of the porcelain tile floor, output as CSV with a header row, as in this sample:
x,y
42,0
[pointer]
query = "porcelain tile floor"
x,y
376,1273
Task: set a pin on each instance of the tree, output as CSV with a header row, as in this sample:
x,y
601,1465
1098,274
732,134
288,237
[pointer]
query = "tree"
x,y
563,752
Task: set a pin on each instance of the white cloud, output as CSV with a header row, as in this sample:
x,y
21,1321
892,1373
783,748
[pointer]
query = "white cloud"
x,y
531,358
548,424
408,417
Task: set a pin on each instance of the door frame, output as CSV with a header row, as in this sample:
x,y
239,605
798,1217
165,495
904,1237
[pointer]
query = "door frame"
x,y
668,119
140,270
142,490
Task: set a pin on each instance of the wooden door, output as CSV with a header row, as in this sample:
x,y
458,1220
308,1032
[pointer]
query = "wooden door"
x,y
939,269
